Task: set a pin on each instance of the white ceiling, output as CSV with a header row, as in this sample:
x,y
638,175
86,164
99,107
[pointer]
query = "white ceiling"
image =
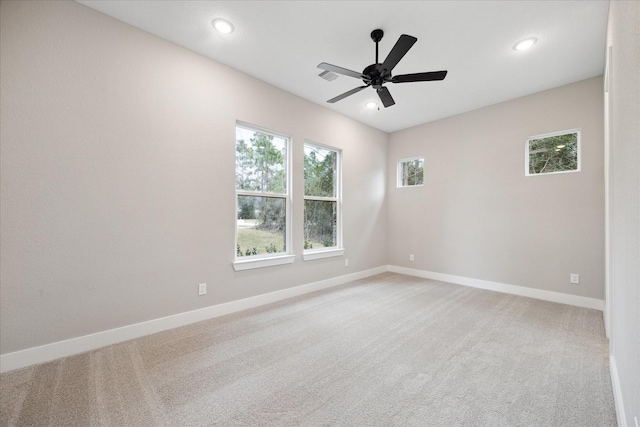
x,y
282,42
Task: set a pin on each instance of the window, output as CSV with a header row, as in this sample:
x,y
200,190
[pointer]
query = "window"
x,y
411,172
553,153
322,228
262,198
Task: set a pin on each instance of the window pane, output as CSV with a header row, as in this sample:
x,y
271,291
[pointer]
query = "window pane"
x,y
411,172
319,171
261,225
557,153
320,220
260,161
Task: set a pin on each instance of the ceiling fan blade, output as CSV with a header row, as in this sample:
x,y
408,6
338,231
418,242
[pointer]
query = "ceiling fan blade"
x,y
385,97
343,71
344,95
419,77
401,47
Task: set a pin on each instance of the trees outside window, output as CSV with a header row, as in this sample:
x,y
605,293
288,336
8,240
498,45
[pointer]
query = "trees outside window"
x,y
321,197
553,153
411,172
261,192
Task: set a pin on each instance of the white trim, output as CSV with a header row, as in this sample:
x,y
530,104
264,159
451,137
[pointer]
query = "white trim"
x,y
250,264
321,199
617,392
48,352
256,128
558,297
308,256
262,194
608,191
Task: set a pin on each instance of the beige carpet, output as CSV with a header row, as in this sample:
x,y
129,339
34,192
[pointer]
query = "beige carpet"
x,y
388,350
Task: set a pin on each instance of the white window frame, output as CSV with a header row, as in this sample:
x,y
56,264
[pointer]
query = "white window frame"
x,y
577,131
399,171
338,249
269,259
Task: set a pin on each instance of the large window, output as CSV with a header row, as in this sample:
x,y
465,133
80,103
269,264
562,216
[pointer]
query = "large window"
x,y
322,228
553,153
411,172
262,197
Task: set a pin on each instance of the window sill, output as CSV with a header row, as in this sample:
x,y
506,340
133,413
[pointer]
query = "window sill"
x,y
263,262
308,256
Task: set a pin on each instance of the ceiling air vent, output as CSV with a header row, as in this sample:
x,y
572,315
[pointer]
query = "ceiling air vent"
x,y
328,76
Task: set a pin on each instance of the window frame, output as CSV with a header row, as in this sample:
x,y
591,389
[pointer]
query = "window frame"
x,y
577,131
248,262
399,171
338,249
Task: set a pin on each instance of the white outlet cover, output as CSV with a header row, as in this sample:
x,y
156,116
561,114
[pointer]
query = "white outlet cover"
x,y
574,278
202,289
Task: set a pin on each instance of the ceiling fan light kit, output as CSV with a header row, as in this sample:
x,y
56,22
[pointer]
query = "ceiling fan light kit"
x,y
377,74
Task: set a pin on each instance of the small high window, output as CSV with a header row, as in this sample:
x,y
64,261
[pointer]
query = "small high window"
x,y
553,153
411,172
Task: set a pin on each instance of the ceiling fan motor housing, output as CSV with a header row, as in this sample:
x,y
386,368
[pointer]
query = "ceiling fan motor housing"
x,y
375,77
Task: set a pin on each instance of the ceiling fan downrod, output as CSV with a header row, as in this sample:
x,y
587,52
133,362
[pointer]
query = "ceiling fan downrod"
x,y
376,36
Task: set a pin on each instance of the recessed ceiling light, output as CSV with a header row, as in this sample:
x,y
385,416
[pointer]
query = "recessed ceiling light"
x,y
371,105
525,44
222,26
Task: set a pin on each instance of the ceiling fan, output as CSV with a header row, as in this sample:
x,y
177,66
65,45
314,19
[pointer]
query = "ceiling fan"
x,y
378,74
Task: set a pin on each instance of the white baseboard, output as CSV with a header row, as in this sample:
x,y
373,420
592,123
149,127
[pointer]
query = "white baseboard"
x,y
502,287
56,350
48,352
617,393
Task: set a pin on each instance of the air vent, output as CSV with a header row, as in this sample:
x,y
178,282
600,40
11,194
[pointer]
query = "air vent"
x,y
328,76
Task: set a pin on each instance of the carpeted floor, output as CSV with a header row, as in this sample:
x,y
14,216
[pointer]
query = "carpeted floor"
x,y
388,350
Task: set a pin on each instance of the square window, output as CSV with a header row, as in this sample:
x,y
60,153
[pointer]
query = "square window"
x,y
553,153
411,172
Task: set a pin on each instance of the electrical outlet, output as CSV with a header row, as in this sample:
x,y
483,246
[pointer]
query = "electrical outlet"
x,y
202,289
346,262
411,257
574,278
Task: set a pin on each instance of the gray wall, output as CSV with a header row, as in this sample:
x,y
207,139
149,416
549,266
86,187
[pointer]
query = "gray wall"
x,y
479,216
118,186
623,120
